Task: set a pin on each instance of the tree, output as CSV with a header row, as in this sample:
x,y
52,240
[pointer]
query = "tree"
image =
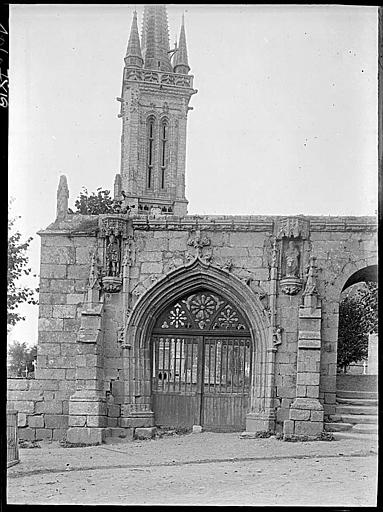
x,y
21,357
358,317
17,267
94,203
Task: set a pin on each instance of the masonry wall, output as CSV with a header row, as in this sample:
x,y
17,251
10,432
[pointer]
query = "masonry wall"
x,y
158,247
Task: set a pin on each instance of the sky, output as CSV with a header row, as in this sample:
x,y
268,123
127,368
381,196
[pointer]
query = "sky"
x,y
284,121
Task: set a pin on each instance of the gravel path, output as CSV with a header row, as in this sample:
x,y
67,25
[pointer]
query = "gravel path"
x,y
205,468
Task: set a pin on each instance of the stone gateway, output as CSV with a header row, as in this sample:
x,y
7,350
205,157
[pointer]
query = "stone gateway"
x,y
150,317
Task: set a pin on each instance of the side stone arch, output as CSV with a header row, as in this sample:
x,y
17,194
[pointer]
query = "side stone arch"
x,y
330,323
183,280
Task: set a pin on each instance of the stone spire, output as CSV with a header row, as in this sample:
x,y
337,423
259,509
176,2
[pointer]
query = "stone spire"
x,y
62,198
155,38
133,52
181,64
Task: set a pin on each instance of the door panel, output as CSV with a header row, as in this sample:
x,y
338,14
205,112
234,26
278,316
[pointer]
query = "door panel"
x,y
175,383
227,370
201,381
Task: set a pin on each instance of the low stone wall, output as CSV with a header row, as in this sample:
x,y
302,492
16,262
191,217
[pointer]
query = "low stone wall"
x,y
41,415
357,382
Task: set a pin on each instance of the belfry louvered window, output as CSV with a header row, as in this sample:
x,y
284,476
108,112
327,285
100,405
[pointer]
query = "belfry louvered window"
x,y
150,150
163,149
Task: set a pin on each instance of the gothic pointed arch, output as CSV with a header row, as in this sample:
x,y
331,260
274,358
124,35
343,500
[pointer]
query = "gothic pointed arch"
x,y
190,278
184,281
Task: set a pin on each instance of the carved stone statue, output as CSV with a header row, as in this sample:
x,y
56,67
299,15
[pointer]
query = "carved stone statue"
x,y
292,260
112,256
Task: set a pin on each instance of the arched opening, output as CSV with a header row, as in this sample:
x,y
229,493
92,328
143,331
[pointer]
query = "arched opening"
x,y
143,322
201,364
357,327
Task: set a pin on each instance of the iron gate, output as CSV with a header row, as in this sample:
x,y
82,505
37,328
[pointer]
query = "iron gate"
x,y
201,365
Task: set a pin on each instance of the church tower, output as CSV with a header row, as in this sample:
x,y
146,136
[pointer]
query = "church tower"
x,y
156,91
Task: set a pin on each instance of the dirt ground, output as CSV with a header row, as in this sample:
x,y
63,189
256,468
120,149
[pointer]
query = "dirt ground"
x,y
207,468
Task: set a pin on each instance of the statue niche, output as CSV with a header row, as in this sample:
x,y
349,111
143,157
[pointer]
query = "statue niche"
x,y
112,279
291,282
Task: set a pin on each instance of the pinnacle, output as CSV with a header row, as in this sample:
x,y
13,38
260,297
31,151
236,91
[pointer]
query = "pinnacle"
x,y
133,52
181,64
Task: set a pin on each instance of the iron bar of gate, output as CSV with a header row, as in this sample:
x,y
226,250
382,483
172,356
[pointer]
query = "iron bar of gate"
x,y
175,363
12,439
170,342
163,365
209,376
215,363
180,370
244,351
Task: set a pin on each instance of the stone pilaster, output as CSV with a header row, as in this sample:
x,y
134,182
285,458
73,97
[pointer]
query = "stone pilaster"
x,y
87,406
306,412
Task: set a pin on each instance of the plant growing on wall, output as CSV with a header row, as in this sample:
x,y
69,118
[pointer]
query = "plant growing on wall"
x,y
17,267
358,317
94,203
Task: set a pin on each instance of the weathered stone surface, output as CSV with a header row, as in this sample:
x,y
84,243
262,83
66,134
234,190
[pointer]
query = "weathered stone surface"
x,y
56,421
299,414
96,421
36,421
57,255
50,324
87,408
145,432
22,419
58,434
308,379
44,434
49,407
27,407
86,435
310,428
307,403
26,434
64,311
76,421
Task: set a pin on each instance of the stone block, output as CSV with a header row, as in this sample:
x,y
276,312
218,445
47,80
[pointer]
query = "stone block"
x,y
22,419
84,255
151,268
51,298
79,408
43,434
144,432
288,427
316,415
330,398
308,428
17,384
96,421
36,421
86,435
78,271
49,271
56,421
71,324
64,311
62,286
113,411
307,403
136,422
299,414
27,407
112,422
302,391
26,434
312,391
286,369
123,433
50,324
77,421
49,407
48,349
308,379
75,298
57,255
68,349
197,429
50,374
70,374
59,434
282,415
